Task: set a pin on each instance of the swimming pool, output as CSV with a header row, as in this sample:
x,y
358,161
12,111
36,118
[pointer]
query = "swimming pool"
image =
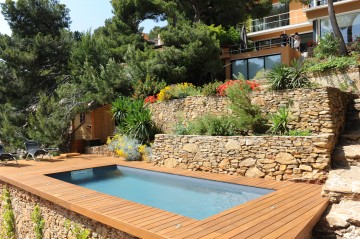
x,y
190,197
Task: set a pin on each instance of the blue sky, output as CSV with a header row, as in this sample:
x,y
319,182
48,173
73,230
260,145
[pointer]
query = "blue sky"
x,y
85,15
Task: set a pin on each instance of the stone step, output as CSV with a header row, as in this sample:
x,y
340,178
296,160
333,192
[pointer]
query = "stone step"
x,y
343,184
346,155
353,135
339,221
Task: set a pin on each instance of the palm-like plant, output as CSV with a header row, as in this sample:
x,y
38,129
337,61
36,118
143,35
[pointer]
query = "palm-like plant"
x,y
279,121
283,77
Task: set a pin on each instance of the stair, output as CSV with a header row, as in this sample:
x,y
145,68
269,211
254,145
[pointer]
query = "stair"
x,y
342,218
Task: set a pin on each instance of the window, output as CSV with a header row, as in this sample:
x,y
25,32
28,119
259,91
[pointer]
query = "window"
x,y
349,26
82,118
249,67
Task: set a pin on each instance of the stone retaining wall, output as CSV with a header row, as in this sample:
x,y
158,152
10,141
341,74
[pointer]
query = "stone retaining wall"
x,y
278,157
347,79
318,110
102,150
23,204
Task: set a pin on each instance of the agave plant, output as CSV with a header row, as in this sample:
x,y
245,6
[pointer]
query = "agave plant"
x,y
283,77
279,121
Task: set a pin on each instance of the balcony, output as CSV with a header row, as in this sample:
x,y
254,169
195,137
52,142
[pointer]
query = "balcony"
x,y
320,3
280,20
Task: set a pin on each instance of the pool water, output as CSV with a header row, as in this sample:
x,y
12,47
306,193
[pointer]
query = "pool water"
x,y
190,197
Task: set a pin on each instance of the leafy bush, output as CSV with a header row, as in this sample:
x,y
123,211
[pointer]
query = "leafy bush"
x,y
129,148
242,85
8,218
355,46
279,121
248,116
260,75
134,119
327,46
283,77
332,62
210,88
298,133
39,222
77,230
209,125
149,87
225,37
177,91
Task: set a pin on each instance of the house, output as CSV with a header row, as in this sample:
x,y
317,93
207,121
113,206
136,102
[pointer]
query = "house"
x,y
92,128
311,21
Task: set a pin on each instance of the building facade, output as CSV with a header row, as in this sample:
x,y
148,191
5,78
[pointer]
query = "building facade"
x,y
267,45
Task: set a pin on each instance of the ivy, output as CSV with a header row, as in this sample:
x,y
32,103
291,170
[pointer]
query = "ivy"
x,y
8,222
39,222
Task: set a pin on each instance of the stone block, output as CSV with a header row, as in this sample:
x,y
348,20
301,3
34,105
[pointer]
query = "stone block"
x,y
192,148
285,158
254,172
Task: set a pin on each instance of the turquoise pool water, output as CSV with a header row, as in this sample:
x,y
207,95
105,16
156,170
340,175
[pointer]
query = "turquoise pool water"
x,y
190,197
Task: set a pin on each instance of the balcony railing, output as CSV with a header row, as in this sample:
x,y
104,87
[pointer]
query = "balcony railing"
x,y
279,20
319,3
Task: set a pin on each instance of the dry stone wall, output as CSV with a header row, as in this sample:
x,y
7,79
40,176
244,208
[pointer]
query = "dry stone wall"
x,y
318,110
348,79
278,157
55,216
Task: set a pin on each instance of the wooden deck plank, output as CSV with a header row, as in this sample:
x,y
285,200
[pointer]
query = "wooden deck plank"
x,y
293,217
245,213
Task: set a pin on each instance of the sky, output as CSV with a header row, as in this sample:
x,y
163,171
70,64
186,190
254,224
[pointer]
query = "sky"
x,y
86,15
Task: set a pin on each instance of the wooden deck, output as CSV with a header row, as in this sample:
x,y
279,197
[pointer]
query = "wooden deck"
x,y
289,212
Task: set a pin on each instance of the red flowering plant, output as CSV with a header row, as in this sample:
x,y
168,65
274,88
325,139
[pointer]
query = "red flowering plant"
x,y
150,99
248,85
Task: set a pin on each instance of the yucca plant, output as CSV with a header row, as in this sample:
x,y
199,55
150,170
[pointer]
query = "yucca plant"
x,y
279,121
134,119
138,124
283,77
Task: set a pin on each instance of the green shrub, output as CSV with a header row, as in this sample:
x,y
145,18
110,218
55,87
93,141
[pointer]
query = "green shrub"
x,y
134,119
210,88
248,116
38,221
279,121
355,46
213,126
299,133
283,77
262,74
332,62
327,46
77,230
8,222
149,87
226,37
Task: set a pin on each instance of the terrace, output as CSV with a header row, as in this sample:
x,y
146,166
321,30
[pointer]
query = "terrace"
x,y
289,212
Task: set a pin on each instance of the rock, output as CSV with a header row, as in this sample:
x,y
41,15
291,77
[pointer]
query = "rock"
x,y
247,162
191,148
224,164
170,163
285,158
254,173
232,144
305,168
